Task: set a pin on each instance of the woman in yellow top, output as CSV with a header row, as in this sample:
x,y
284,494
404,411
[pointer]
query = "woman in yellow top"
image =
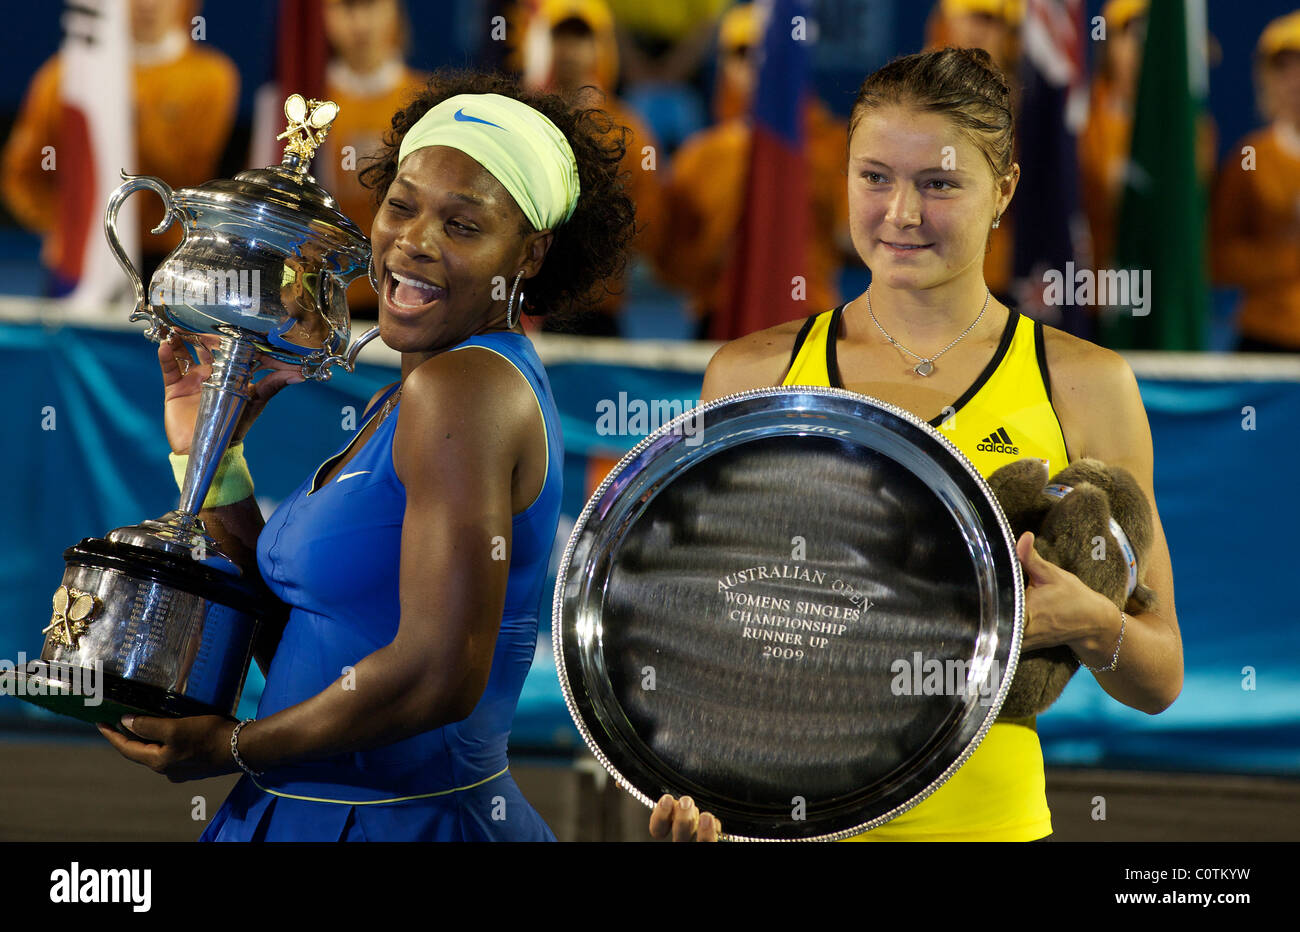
x,y
930,172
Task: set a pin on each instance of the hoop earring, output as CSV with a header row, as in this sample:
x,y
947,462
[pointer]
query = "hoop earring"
x,y
370,273
510,305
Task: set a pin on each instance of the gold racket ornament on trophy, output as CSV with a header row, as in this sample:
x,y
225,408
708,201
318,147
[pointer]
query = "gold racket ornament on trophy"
x,y
264,264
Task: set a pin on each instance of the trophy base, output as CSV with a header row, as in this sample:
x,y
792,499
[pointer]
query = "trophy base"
x,y
144,631
115,697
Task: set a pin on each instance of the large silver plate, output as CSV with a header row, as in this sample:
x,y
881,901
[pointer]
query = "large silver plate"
x,y
800,606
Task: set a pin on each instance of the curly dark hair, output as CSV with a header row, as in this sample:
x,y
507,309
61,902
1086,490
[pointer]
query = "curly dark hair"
x,y
589,251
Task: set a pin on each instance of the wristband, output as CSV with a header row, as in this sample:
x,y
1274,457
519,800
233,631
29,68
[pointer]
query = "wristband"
x,y
232,483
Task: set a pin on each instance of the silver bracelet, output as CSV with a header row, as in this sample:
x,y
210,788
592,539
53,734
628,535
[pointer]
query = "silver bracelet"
x,y
1114,660
234,749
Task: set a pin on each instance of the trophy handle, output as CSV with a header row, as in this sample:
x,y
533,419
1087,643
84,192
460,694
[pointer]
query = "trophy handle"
x,y
321,370
158,329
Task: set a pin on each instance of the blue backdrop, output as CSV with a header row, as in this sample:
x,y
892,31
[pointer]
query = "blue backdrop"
x,y
84,452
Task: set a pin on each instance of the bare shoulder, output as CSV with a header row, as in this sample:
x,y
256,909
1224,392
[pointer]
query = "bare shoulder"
x,y
470,406
1080,368
756,360
469,381
1095,394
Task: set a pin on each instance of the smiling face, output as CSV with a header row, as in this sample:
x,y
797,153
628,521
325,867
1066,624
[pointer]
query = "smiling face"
x,y
922,198
445,238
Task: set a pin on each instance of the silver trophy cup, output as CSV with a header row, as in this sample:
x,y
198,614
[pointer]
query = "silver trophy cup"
x,y
157,608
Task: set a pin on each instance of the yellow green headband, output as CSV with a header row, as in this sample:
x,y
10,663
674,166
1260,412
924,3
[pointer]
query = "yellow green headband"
x,y
522,149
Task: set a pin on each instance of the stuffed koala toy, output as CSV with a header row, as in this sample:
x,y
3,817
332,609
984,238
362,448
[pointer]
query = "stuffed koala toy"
x,y
1072,530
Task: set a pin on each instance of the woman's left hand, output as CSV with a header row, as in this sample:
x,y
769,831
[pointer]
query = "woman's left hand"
x,y
1060,608
181,749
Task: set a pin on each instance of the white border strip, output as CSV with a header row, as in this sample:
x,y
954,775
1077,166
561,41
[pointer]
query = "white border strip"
x,y
688,355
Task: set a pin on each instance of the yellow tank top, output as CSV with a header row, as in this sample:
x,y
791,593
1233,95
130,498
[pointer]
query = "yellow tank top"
x,y
999,793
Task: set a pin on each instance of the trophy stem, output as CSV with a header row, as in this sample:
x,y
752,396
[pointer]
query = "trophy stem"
x,y
224,395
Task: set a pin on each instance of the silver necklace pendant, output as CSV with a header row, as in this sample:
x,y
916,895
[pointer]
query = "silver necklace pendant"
x,y
926,366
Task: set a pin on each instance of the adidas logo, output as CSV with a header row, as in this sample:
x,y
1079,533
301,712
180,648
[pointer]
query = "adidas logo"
x,y
998,442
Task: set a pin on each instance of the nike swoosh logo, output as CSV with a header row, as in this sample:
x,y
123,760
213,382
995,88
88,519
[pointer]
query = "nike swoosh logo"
x,y
349,475
462,117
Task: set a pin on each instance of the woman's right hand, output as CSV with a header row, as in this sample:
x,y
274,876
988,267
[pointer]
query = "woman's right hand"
x,y
183,385
680,819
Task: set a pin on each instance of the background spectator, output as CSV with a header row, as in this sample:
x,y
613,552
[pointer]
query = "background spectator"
x,y
707,184
990,25
1104,142
369,80
665,48
1255,215
185,98
571,49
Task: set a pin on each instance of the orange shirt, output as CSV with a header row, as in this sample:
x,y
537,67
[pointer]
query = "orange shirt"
x,y
184,110
1103,150
705,198
1255,236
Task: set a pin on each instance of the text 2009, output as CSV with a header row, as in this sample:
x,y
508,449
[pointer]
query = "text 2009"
x,y
782,653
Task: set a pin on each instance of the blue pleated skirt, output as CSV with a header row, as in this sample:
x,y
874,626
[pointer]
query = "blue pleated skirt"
x,y
493,811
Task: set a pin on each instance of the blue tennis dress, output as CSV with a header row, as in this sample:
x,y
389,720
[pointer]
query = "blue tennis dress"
x,y
333,555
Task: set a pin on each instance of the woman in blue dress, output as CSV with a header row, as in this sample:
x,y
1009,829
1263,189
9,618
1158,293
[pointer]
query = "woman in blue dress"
x,y
411,564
